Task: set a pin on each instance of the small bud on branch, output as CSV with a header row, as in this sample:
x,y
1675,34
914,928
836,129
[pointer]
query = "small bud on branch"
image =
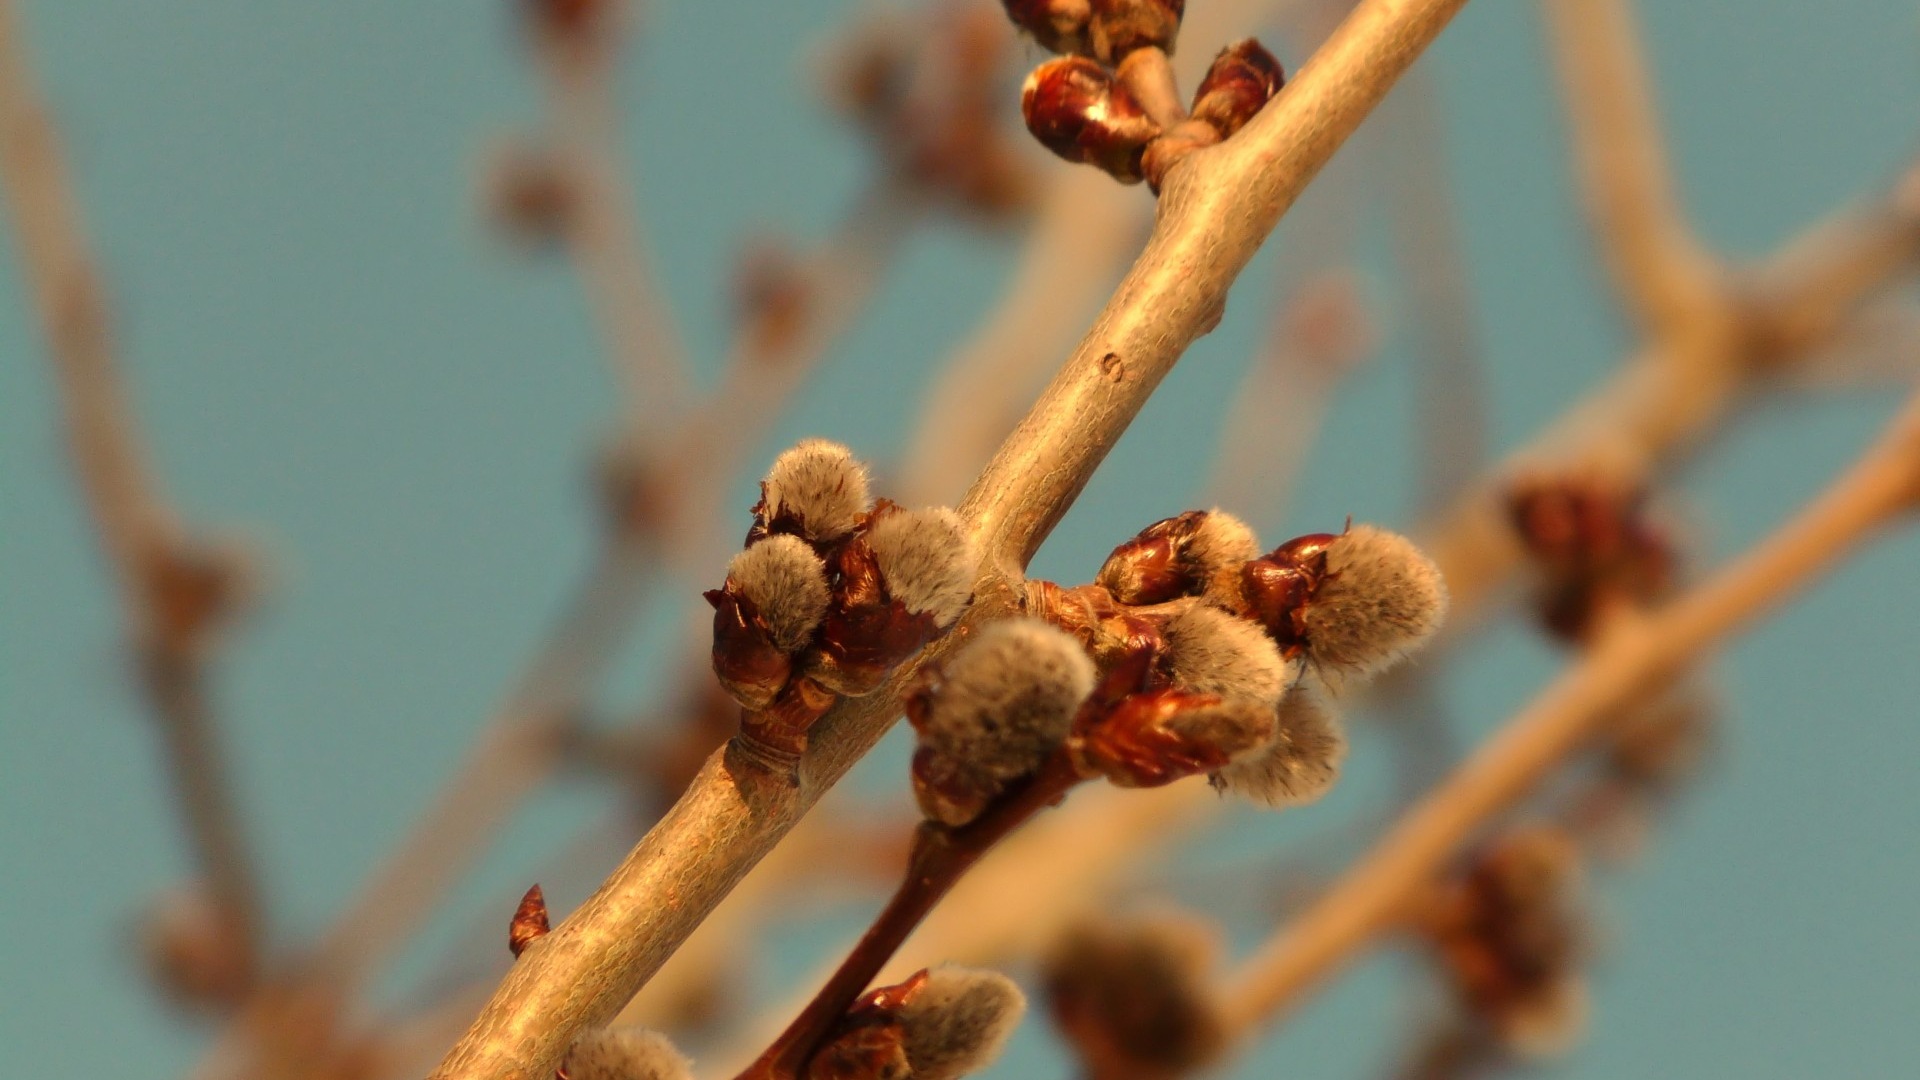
x,y
529,921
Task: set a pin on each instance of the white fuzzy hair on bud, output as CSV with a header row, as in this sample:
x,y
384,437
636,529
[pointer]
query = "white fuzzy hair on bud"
x,y
1302,761
1381,598
927,559
1218,548
1212,652
1003,703
787,582
820,485
958,1021
626,1053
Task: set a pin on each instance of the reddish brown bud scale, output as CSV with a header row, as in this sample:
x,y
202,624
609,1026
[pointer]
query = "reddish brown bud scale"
x,y
1148,569
749,665
529,921
1077,110
865,634
1159,736
1243,78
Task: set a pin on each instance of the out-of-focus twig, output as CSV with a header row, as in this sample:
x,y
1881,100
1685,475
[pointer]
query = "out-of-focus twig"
x,y
1661,272
177,591
1635,655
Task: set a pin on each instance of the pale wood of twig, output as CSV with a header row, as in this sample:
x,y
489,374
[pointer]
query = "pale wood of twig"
x,y
140,533
1636,656
1660,270
1216,209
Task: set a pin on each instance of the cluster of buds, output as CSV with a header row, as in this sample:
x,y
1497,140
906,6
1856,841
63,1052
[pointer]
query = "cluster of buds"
x,y
1221,619
1134,997
1509,932
832,592
1595,545
927,96
940,1024
1110,100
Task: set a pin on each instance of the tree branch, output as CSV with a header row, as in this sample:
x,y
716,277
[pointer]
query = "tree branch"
x,y
1662,273
1215,211
1631,659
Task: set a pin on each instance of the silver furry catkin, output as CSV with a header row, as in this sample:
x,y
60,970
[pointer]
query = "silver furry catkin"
x,y
927,559
957,1022
999,706
787,583
1212,652
817,488
1299,764
1381,598
626,1053
1219,546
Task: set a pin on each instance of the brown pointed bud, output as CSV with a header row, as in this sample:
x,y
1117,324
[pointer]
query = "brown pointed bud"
x,y
625,1053
992,714
1118,27
1209,651
775,596
196,586
192,952
1177,556
527,194
1299,764
773,300
1148,738
574,22
529,921
1060,26
817,491
1077,110
1243,78
1134,997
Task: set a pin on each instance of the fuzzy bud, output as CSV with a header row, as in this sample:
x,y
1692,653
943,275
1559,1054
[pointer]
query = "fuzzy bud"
x,y
817,490
958,1020
1509,933
625,1053
1299,764
1060,26
996,710
1177,556
928,561
1381,599
1244,77
1208,651
1594,543
1077,110
899,584
775,597
1158,736
1133,997
1118,27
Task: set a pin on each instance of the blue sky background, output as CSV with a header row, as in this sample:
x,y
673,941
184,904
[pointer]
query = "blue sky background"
x,y
327,349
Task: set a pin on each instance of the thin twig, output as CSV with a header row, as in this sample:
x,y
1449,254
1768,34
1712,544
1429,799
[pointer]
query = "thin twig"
x,y
1662,273
1216,209
1883,486
145,544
